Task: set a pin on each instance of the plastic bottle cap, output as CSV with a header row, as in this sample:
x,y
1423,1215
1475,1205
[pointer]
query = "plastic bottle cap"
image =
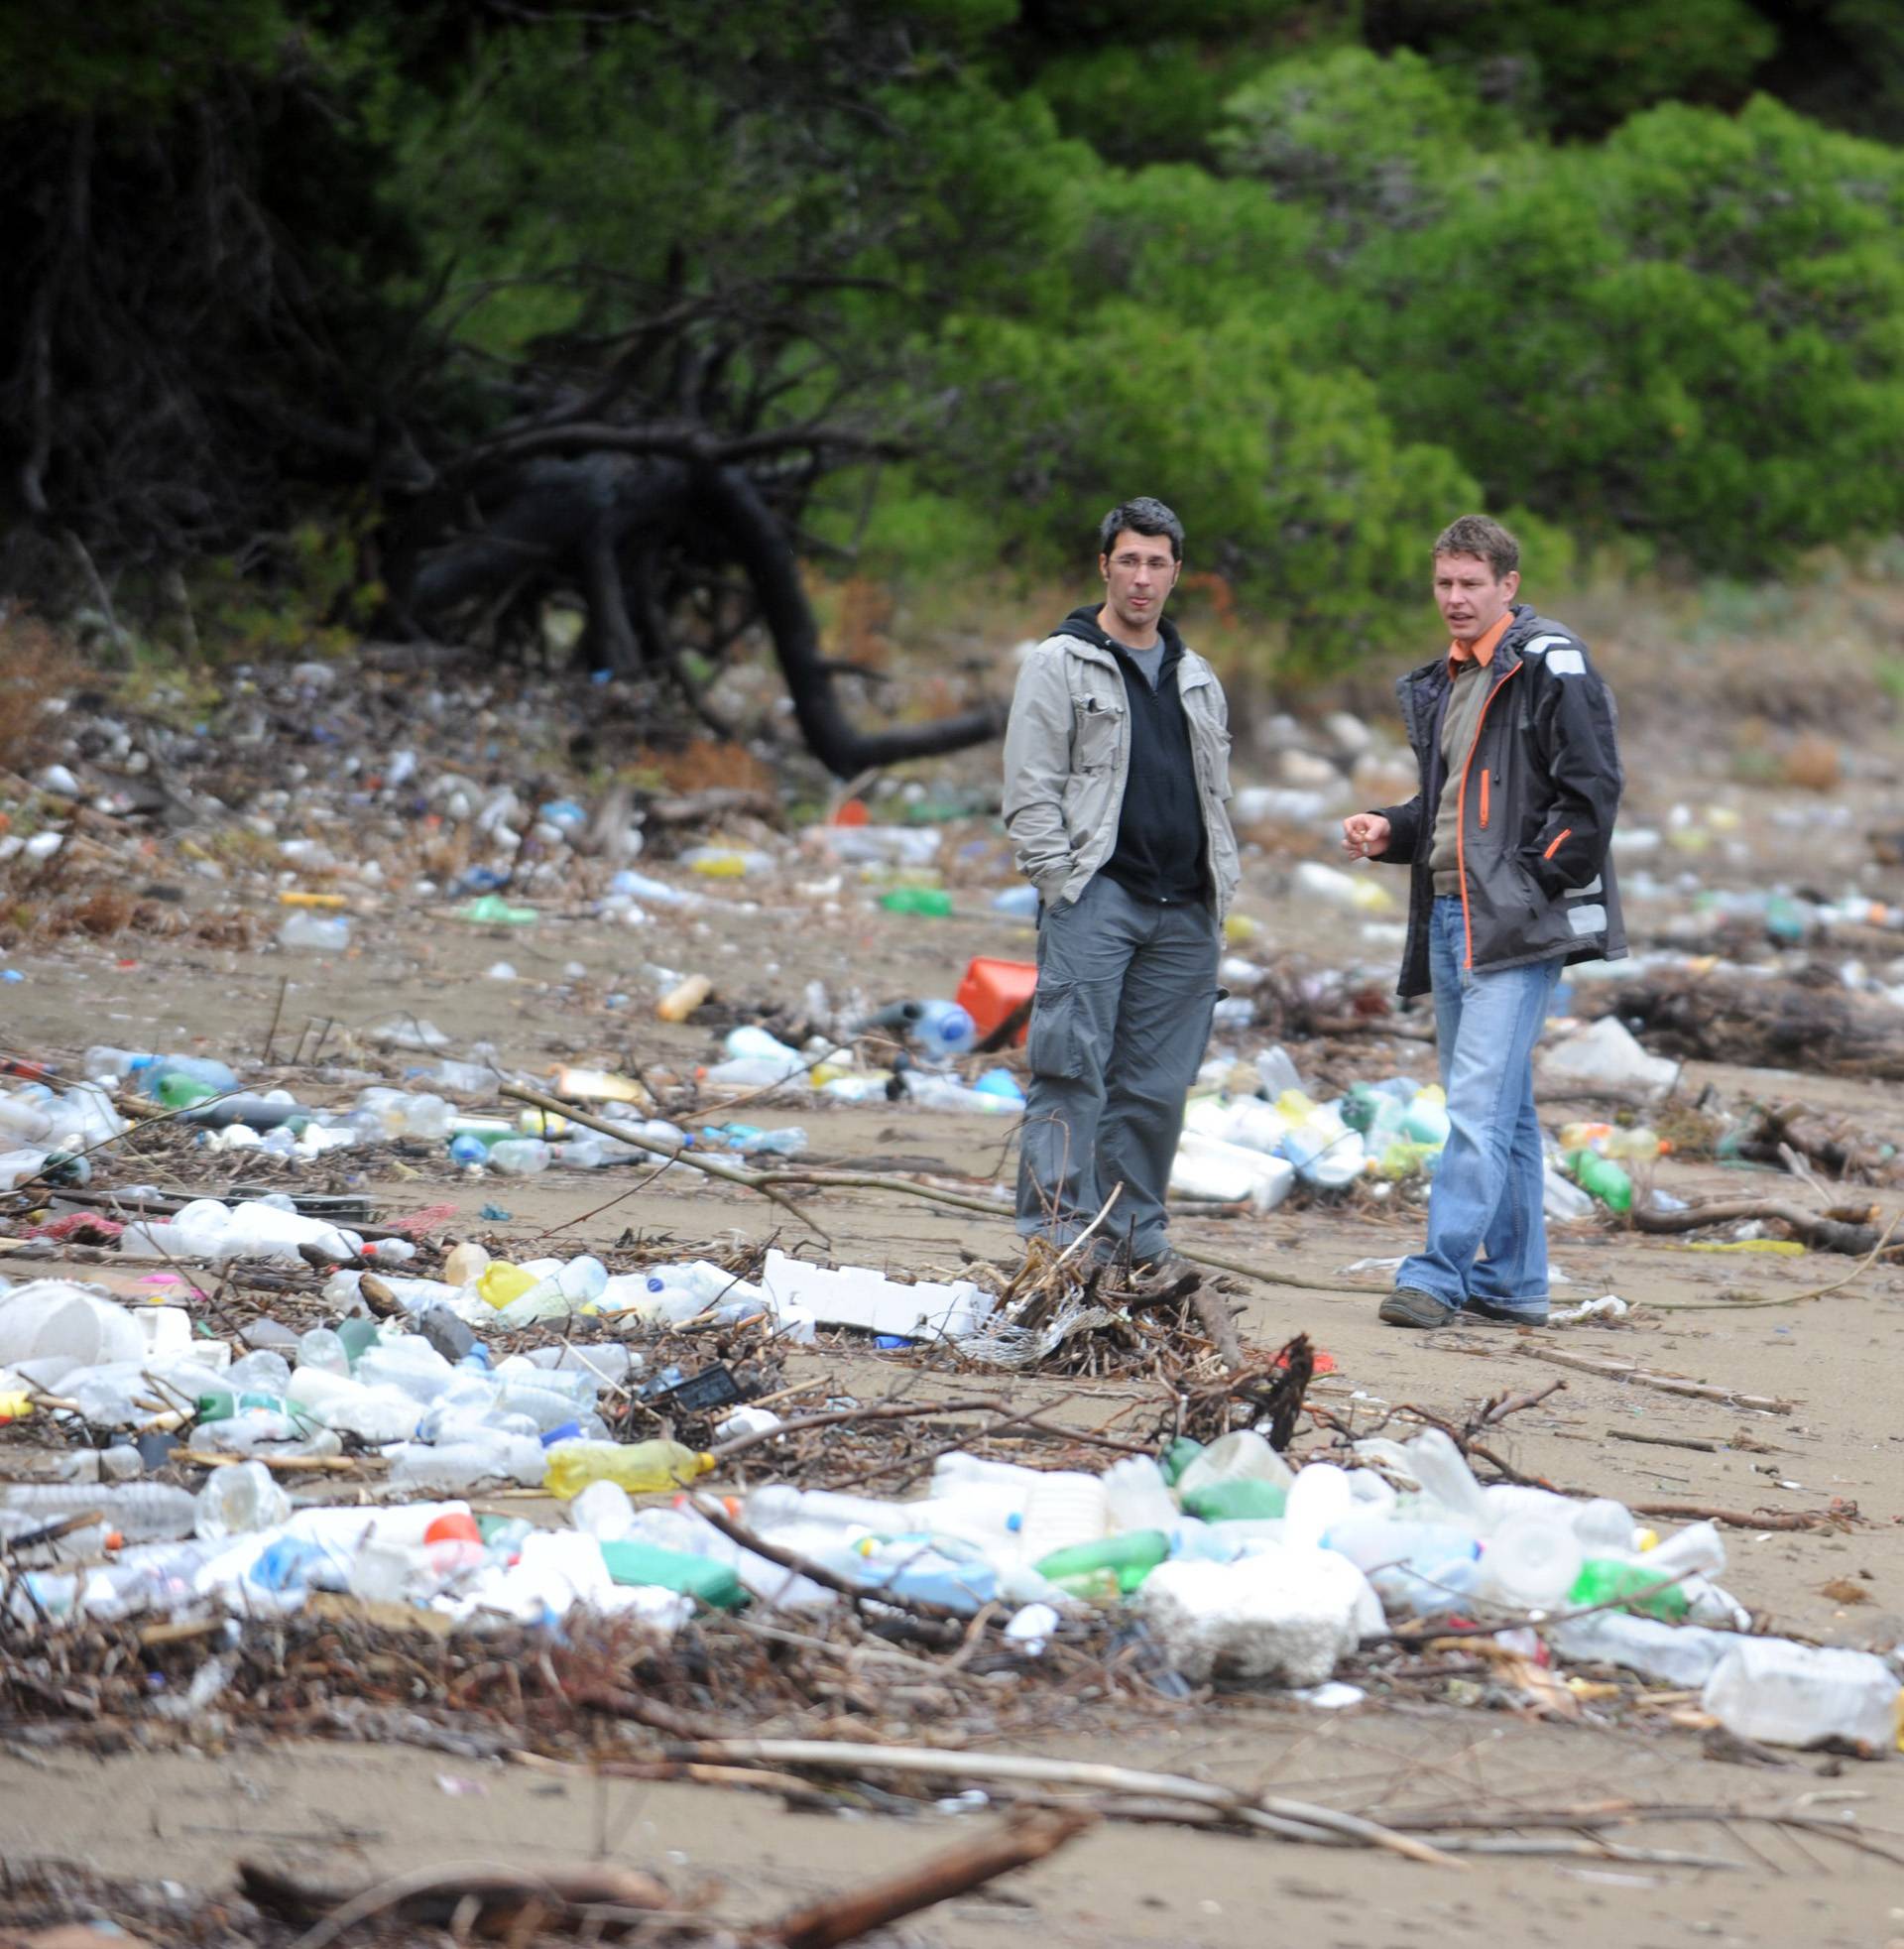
x,y
456,1528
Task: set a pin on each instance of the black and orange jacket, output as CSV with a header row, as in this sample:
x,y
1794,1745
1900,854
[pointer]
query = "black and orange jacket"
x,y
1537,801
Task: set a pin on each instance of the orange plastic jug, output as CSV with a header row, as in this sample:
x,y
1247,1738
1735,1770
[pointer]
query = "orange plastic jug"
x,y
991,990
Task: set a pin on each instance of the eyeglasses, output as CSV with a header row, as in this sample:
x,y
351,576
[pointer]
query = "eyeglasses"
x,y
1157,564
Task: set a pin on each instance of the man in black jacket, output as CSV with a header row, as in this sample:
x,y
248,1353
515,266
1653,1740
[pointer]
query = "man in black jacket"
x,y
1515,738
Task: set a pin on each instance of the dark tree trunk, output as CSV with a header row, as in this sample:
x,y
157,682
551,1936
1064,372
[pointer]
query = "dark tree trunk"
x,y
599,525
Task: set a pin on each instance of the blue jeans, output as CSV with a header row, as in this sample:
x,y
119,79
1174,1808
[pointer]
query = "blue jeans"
x,y
1487,1192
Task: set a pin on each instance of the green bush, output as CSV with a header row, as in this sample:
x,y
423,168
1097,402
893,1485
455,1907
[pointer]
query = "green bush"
x,y
1695,335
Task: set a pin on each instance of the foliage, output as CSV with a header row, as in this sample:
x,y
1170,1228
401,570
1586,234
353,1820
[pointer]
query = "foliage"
x,y
1320,276
1695,335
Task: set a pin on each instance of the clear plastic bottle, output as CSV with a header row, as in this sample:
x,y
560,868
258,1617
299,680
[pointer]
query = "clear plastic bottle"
x,y
142,1512
1672,1655
321,1348
1243,1454
315,934
519,1157
102,1059
1446,1479
495,1456
238,1501
1768,1688
1135,1498
409,1363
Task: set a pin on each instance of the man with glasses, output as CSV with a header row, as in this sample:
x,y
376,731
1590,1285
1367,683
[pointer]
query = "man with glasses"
x,y
1117,774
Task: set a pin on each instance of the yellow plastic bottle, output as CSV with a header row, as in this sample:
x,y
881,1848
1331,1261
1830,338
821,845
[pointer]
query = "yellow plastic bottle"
x,y
646,1468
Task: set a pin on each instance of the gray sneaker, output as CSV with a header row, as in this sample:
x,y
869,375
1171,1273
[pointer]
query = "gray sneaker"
x,y
1507,1312
1409,1305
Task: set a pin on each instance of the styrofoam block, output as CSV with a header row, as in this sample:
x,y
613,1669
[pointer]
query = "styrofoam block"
x,y
1281,1613
855,1295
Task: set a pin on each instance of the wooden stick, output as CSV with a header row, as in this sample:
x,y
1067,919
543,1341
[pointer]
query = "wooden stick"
x,y
882,1412
1663,1441
840,1756
747,1180
1737,1520
1640,1377
859,1911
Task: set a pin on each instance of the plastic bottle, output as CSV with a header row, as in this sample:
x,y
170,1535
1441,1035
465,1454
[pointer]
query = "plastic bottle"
x,y
467,1464
321,1348
315,934
1425,1121
748,1142
1768,1688
1446,1479
408,1363
1631,1587
1135,1496
643,1468
1601,1178
1675,1654
684,997
1063,1507
207,1069
1242,1455
1639,1144
1530,1563
933,901
375,1414
142,1512
1244,1500
1560,1200
944,1028
1111,1567
102,1059
238,1501
519,1157
1419,1566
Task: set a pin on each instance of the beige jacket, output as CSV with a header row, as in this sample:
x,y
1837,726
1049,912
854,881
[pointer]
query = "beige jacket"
x,y
1067,755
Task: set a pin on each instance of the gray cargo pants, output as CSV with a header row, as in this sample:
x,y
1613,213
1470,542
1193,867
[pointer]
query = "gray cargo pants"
x,y
1121,1017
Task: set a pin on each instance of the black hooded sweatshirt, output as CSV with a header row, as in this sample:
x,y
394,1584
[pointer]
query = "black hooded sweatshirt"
x,y
1159,854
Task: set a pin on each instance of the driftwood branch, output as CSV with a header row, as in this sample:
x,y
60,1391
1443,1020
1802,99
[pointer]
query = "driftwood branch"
x,y
846,1917
1295,1819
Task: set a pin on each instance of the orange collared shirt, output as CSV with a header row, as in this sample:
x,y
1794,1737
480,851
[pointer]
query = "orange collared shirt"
x,y
1482,650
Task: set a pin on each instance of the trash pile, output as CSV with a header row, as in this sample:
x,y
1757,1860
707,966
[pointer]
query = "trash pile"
x,y
1235,1565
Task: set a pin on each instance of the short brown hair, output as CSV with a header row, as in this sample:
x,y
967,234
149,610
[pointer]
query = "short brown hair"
x,y
1483,536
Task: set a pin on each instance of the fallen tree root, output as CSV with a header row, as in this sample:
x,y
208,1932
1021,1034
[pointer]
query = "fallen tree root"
x,y
1843,1229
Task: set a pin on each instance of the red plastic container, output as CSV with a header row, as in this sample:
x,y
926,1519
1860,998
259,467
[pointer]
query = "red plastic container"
x,y
991,990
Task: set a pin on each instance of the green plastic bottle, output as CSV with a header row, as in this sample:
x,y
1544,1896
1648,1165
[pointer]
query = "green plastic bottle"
x,y
1602,1579
1245,1499
1603,1178
699,1577
931,901
358,1336
1179,1452
178,1092
1111,1567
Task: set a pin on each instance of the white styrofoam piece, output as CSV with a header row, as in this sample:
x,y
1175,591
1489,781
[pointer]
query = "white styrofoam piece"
x,y
855,1295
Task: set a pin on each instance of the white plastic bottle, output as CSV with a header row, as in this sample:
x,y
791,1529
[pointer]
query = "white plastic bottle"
x,y
1768,1688
1064,1508
1530,1563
